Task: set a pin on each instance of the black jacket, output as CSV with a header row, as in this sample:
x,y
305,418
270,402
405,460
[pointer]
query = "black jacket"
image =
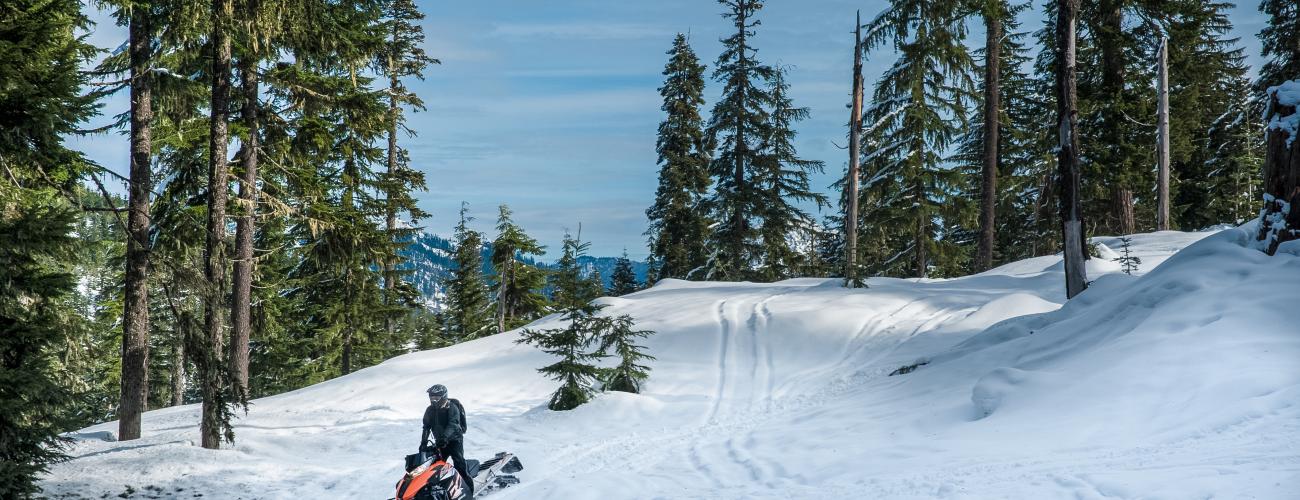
x,y
443,422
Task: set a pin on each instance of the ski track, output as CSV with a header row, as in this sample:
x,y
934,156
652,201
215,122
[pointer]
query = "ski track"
x,y
727,443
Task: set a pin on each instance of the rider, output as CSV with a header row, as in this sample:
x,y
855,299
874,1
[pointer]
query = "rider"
x,y
443,419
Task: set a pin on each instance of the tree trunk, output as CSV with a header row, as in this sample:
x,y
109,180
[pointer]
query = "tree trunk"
x,y
992,105
183,336
214,253
506,275
135,314
1067,156
242,280
738,220
855,133
178,372
1162,149
920,238
1281,216
1124,216
390,275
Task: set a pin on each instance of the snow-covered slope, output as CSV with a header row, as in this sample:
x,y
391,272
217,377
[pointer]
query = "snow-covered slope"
x,y
1182,383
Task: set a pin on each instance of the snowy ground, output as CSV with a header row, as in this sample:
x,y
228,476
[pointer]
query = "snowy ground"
x,y
1182,383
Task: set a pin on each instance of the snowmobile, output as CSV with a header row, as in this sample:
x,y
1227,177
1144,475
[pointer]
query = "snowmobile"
x,y
432,477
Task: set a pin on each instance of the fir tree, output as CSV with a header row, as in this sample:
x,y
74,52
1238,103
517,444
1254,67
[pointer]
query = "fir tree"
x,y
570,287
780,178
740,121
1127,261
402,57
623,281
909,197
1209,70
41,102
620,338
468,315
1281,46
517,289
1020,167
575,370
679,227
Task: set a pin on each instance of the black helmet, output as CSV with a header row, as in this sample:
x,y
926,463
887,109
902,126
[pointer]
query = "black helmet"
x,y
437,391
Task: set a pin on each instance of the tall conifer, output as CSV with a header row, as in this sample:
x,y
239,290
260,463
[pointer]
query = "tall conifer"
x,y
679,226
737,127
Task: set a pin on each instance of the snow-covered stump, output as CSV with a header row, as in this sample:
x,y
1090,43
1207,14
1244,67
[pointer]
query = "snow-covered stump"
x,y
1281,168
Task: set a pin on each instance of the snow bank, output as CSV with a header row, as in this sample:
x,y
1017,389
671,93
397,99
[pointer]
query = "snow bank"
x,y
1180,382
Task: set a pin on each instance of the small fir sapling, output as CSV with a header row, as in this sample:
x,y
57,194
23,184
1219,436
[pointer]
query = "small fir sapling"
x,y
620,337
1128,262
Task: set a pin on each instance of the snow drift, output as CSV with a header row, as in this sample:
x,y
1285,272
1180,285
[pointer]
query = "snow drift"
x,y
1180,383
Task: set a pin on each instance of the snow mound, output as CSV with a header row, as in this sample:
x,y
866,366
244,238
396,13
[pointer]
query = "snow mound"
x,y
1178,382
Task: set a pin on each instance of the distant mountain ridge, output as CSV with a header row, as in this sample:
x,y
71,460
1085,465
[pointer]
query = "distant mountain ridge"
x,y
430,264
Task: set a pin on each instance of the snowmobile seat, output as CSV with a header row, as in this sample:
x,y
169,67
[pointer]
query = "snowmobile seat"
x,y
471,468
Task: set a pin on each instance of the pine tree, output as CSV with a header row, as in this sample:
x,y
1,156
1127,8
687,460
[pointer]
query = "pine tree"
x,y
517,288
619,337
909,198
623,281
468,315
575,370
679,227
780,177
739,122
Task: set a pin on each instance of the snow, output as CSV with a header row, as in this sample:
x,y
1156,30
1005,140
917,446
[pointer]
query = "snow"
x,y
1288,94
1179,382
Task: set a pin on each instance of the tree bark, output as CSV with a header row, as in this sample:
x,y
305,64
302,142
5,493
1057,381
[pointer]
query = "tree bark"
x,y
135,314
1162,150
214,254
1123,203
992,106
394,111
245,225
855,133
1067,156
1281,215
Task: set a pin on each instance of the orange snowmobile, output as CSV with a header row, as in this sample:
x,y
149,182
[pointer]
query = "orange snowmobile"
x,y
432,477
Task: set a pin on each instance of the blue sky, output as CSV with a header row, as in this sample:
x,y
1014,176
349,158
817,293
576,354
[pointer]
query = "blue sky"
x,y
552,107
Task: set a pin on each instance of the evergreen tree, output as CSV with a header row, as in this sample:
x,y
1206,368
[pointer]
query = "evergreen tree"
x,y
517,288
575,370
1281,46
1212,136
1020,165
468,315
623,281
619,337
34,319
1127,261
679,227
41,102
909,198
740,121
1116,113
781,177
570,286
402,57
